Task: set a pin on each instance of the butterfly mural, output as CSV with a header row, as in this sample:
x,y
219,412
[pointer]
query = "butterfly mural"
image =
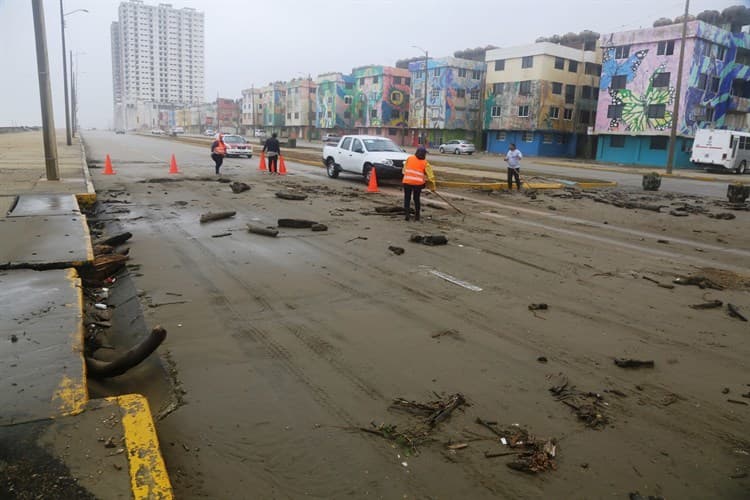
x,y
635,107
611,68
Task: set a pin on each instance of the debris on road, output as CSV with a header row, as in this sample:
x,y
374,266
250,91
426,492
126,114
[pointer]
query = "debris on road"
x,y
633,363
637,496
712,304
658,283
538,307
734,312
450,332
699,281
542,359
239,187
212,216
102,267
396,250
456,281
296,223
394,210
114,240
738,192
588,406
722,216
356,238
737,402
262,230
433,411
651,181
532,455
220,235
430,240
103,369
318,227
291,196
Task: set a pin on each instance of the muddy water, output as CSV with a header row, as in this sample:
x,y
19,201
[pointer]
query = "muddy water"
x,y
287,346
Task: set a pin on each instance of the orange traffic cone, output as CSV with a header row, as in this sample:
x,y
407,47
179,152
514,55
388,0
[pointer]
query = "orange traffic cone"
x,y
282,166
108,167
262,164
372,187
173,166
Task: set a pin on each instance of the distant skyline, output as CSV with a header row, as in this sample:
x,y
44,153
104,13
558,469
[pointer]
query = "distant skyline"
x,y
252,44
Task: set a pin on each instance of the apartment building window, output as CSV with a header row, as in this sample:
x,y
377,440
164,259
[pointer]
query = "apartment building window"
x,y
554,112
523,111
496,111
559,63
462,72
656,110
742,57
406,115
524,88
347,114
527,62
436,113
622,52
715,81
407,81
330,100
392,131
557,88
397,80
721,52
373,113
375,79
436,72
614,111
460,93
586,92
260,106
395,114
499,65
476,74
435,93
418,93
584,116
296,115
348,85
527,137
619,82
567,114
347,99
661,80
665,48
573,66
709,114
659,142
500,135
497,88
617,141
570,94
328,114
474,94
547,138
289,116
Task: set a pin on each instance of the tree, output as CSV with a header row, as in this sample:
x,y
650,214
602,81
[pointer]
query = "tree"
x,y
662,21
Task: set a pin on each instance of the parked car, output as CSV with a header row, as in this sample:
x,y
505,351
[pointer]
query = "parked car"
x,y
157,131
120,131
259,132
237,146
457,147
331,138
360,154
209,132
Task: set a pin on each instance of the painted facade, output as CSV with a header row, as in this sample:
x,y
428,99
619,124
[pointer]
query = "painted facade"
x,y
252,110
335,94
300,108
542,97
638,88
380,103
454,88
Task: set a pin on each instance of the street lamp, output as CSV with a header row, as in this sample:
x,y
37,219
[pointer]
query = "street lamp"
x,y
424,104
68,134
73,94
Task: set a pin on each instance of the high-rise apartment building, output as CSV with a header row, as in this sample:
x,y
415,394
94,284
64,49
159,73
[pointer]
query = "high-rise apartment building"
x,y
157,63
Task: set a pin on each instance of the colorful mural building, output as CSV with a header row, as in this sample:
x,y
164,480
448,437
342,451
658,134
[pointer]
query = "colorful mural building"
x,y
452,99
542,97
252,110
272,101
333,110
300,108
380,102
638,83
228,115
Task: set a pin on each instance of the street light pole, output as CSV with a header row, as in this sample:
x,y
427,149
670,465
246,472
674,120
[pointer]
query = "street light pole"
x,y
424,97
45,94
68,136
676,113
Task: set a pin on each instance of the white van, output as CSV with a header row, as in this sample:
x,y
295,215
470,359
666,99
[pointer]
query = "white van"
x,y
725,149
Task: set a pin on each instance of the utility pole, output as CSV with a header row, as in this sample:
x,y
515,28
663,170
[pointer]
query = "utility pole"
x,y
74,110
45,95
424,104
676,113
68,137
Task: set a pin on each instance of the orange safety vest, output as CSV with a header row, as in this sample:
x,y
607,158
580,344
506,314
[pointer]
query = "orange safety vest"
x,y
221,148
414,171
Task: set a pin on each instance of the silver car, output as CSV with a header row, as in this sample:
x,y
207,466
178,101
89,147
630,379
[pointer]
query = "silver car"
x,y
457,147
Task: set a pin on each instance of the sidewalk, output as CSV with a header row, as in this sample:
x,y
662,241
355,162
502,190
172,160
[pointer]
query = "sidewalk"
x,y
54,441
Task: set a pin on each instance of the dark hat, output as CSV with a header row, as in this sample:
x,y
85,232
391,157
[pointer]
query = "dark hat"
x,y
421,152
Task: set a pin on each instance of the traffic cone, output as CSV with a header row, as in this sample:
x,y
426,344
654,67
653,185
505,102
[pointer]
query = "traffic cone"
x,y
372,187
173,166
262,164
108,167
282,166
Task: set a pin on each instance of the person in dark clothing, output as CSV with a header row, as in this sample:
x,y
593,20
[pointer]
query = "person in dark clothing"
x,y
272,150
218,150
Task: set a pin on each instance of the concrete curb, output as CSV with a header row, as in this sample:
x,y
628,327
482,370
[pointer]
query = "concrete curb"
x,y
88,198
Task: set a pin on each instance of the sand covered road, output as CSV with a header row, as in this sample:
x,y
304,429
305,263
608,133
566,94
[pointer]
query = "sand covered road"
x,y
286,346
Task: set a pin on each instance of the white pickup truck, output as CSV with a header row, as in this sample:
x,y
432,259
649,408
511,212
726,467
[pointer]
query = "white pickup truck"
x,y
359,154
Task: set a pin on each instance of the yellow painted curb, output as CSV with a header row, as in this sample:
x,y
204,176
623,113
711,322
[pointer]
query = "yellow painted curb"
x,y
496,186
589,185
148,474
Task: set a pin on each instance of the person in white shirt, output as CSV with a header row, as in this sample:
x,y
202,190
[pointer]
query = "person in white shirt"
x,y
513,158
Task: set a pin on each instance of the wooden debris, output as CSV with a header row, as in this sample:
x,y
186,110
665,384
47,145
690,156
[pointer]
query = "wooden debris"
x,y
434,411
430,240
722,216
389,210
291,196
262,231
737,402
589,407
633,363
396,250
713,304
296,223
114,240
102,267
699,281
319,227
457,446
734,312
212,216
356,238
538,307
239,187
220,235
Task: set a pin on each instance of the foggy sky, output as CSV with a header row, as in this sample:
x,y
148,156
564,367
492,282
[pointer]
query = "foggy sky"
x,y
254,42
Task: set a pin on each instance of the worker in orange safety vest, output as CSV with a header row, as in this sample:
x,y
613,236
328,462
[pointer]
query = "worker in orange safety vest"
x,y
417,174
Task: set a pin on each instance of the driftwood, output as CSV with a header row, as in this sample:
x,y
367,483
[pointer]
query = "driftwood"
x,y
103,249
396,250
102,267
96,368
712,304
319,227
262,231
238,187
114,240
734,312
291,196
633,363
431,240
212,216
699,281
296,223
389,210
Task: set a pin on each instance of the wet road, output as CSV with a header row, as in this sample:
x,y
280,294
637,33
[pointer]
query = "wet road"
x,y
285,347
